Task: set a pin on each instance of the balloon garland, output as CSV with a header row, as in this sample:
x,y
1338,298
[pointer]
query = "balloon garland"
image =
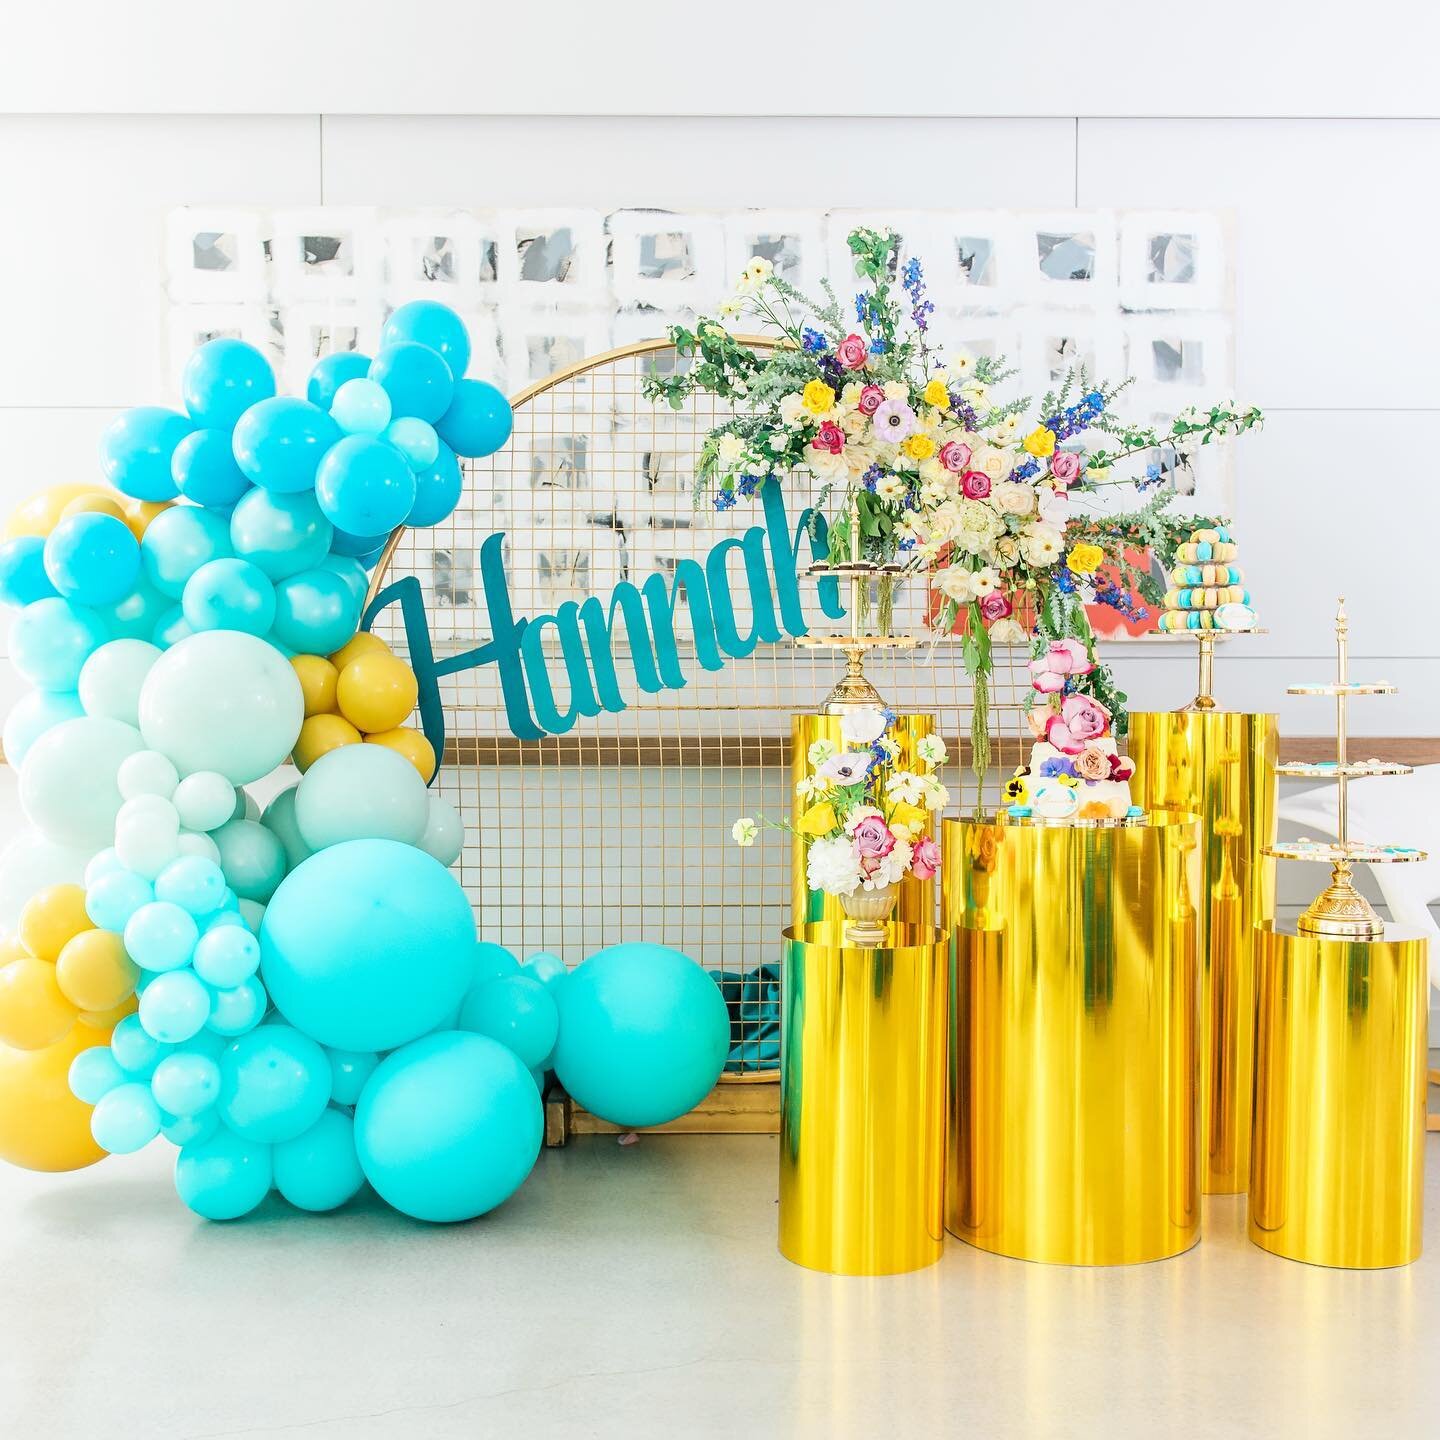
x,y
294,996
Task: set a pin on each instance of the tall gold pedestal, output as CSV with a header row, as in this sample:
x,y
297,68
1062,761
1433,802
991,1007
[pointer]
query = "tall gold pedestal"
x,y
862,1102
1220,766
1073,1104
1337,1172
916,905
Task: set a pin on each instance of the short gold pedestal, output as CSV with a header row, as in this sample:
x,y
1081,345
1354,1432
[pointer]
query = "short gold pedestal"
x,y
1073,1104
862,1102
1338,1165
1220,766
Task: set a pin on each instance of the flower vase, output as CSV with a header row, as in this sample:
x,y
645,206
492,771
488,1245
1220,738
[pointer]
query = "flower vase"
x,y
868,911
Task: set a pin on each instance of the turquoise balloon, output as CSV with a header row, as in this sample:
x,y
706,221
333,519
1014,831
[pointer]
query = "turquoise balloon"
x,y
186,1083
478,421
184,1130
252,858
279,442
136,450
224,1176
282,534
238,1009
161,936
367,945
361,407
358,547
222,379
51,639
316,612
68,783
93,1073
136,616
125,1119
644,1032
92,558
490,961
448,1127
279,819
227,955
22,571
434,325
351,571
175,1006
349,1070
195,884
33,715
171,628
274,1084
548,969
364,486
204,469
415,439
416,378
330,372
361,792
518,1012
178,542
437,489
320,1170
229,595
112,898
112,677
136,1051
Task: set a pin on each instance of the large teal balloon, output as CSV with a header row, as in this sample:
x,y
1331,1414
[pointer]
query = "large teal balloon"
x,y
274,1084
222,379
204,469
416,378
367,945
178,542
316,611
435,325
92,559
278,443
478,421
330,372
282,534
361,792
33,715
68,784
518,1012
111,679
364,486
320,1170
644,1033
136,450
50,640
449,1127
229,595
223,1177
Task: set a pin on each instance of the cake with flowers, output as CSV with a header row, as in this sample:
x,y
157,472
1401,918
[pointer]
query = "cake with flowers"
x,y
1075,770
1207,588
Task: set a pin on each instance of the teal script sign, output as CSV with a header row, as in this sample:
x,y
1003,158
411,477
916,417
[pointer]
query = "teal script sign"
x,y
769,555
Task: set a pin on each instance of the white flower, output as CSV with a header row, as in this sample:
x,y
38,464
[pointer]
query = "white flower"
x,y
1054,506
729,309
730,451
792,409
812,787
975,392
833,866
934,795
850,394
744,831
897,390
1040,545
931,749
820,751
1010,497
847,769
853,422
891,488
892,868
1007,632
992,460
825,465
960,366
863,726
859,813
905,786
779,442
955,585
759,270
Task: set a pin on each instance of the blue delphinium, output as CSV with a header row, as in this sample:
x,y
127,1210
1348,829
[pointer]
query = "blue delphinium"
x,y
872,477
812,341
724,499
913,279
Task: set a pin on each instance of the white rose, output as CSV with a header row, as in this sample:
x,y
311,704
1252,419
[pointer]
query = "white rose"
x,y
955,585
992,460
897,390
1007,632
825,465
1010,497
779,442
791,409
730,451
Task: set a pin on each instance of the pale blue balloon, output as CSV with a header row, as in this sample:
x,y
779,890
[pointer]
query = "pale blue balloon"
x,y
320,1170
22,571
50,640
178,542
161,936
435,325
186,1083
252,858
110,680
171,628
68,784
279,442
548,969
138,614
204,469
190,1129
205,800
92,558
227,955
415,439
282,534
194,884
361,792
361,407
274,1084
316,612
224,1176
103,862
444,835
136,1051
349,1070
351,571
222,379
113,898
125,1119
94,1073
517,1011
136,450
448,1127
33,715
229,595
238,1009
175,1006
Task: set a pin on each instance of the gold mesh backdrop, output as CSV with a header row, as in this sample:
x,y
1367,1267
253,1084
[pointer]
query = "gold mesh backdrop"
x,y
620,830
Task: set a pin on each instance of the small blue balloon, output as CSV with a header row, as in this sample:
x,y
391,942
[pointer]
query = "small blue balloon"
x,y
364,486
196,885
415,439
224,1176
433,324
136,1051
252,857
50,641
239,1009
227,955
330,372
186,1083
278,443
136,616
316,612
136,451
518,1012
478,421
92,558
319,1170
161,936
222,379
491,962
94,1073
282,534
349,1070
229,595
178,542
114,897
416,378
33,715
548,969
125,1119
205,471
274,1084
175,1006
190,1129
22,571
361,407
171,628
437,489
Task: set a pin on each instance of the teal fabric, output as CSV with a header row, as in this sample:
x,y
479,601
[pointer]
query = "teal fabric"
x,y
753,999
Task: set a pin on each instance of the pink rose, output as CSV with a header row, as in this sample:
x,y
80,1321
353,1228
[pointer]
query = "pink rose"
x,y
872,838
925,860
975,484
830,437
1065,466
1080,719
1065,657
852,352
871,398
995,606
1047,682
954,454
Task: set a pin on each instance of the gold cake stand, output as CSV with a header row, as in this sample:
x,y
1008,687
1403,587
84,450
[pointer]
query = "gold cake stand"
x,y
1205,683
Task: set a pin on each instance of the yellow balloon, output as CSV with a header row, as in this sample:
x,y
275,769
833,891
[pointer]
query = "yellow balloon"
x,y
94,972
39,514
10,949
376,692
364,643
42,1125
412,745
107,1020
53,917
94,504
319,735
33,1011
139,514
317,683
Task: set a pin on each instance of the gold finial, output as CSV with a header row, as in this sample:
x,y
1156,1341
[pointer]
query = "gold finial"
x,y
1342,620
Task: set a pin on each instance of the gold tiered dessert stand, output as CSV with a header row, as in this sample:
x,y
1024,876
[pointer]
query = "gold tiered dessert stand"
x,y
1205,684
1340,911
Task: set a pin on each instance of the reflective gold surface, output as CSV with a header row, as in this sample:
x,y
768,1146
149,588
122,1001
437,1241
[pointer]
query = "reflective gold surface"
x,y
1220,766
862,1102
916,905
1338,1169
1073,1099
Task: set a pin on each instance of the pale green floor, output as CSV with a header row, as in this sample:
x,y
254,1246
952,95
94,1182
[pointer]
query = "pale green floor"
x,y
637,1292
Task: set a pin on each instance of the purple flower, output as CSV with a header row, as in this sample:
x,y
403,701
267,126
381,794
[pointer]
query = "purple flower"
x,y
894,420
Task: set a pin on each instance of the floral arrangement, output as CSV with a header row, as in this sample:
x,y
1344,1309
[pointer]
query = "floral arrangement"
x,y
865,825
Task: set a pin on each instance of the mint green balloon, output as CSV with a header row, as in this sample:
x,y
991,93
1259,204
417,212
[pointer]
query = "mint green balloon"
x,y
111,678
68,783
252,858
279,819
361,792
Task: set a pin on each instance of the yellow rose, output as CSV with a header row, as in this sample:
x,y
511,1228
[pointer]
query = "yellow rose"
x,y
1041,442
919,447
1085,559
818,398
818,819
936,394
908,815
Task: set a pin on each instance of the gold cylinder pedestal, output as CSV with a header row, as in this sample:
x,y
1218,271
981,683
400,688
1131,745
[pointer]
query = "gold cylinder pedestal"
x,y
1337,1174
1220,766
1073,1104
862,1102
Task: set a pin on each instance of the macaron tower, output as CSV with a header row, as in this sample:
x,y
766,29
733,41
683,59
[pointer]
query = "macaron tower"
x,y
1207,590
